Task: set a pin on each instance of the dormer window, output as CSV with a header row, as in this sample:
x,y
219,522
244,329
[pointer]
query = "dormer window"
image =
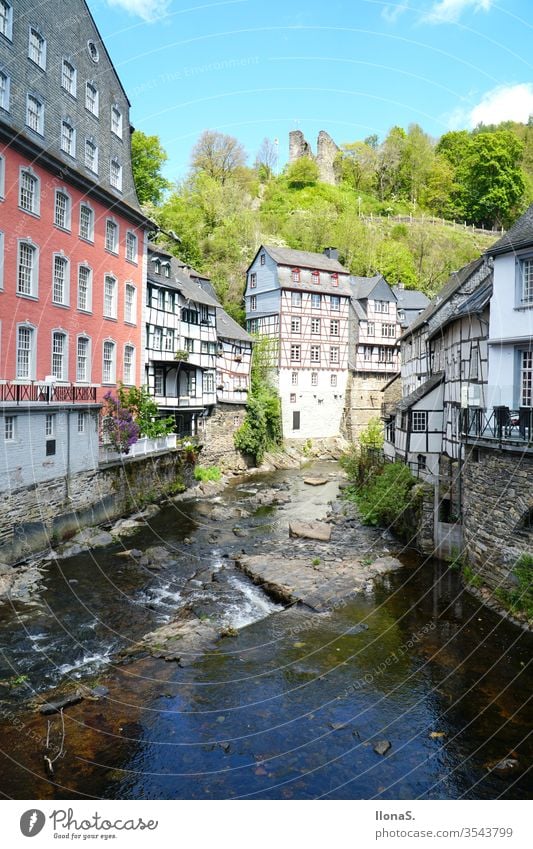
x,y
262,259
295,275
334,277
315,276
166,268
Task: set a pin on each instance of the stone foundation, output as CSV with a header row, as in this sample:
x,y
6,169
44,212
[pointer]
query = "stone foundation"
x,y
218,448
363,402
35,518
497,505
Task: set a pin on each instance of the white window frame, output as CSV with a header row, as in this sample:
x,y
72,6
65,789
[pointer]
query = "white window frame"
x,y
90,85
296,324
131,381
34,281
110,308
68,142
118,130
39,58
31,352
7,19
72,83
67,212
132,317
314,378
419,421
87,355
526,281
2,176
314,353
39,128
334,355
90,237
316,301
113,360
59,258
132,241
294,378
253,303
296,353
5,98
110,223
91,163
10,428
334,327
63,377
315,326
526,378
335,303
49,424
82,423
25,171
115,176
333,380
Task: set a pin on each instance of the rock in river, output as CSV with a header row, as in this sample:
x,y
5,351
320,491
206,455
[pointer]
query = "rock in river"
x,y
310,530
315,481
381,747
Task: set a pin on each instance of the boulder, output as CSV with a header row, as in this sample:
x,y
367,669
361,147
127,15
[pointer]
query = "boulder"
x,y
156,557
310,530
382,746
315,481
56,705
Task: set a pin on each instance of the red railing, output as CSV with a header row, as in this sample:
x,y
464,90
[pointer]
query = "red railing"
x,y
46,393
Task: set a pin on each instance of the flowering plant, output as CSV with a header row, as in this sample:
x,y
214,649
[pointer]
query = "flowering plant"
x,y
118,426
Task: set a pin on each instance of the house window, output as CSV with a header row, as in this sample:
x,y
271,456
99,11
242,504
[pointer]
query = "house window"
x,y
91,98
381,306
84,288
115,174
385,355
86,223
82,419
367,352
335,302
293,397
6,19
421,462
204,314
159,382
68,138
253,302
27,270
35,114
527,281
295,275
37,48
253,281
130,312
419,421
108,363
295,325
334,278
296,420
209,382
49,426
59,349
62,211
9,426
68,77
296,351
296,300
1,261
188,344
111,236
262,259
388,330
129,358
25,352
91,156
93,51
131,246
315,353
110,297
4,91
526,379
294,378
333,379
334,327
166,269
314,378
371,329
316,301
82,360
334,355
170,341
116,121
60,281
315,277
315,326
29,192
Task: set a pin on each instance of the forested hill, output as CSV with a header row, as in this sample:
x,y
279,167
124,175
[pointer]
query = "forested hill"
x,y
224,210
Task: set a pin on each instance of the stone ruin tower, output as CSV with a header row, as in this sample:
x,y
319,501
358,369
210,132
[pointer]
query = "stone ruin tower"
x,y
325,155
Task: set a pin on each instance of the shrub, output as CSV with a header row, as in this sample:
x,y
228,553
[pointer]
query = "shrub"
x,y
520,599
261,428
207,473
385,496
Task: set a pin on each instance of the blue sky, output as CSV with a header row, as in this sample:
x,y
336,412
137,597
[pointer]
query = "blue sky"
x,y
254,69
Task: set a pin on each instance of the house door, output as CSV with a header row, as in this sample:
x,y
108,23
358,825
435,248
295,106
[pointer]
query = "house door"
x,y
296,420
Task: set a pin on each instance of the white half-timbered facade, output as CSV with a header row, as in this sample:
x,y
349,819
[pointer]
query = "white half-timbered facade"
x,y
234,360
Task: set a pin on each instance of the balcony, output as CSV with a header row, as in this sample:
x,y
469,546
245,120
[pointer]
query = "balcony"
x,y
142,448
498,427
45,392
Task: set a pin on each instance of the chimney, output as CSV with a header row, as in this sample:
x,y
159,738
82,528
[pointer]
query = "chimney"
x,y
331,253
400,285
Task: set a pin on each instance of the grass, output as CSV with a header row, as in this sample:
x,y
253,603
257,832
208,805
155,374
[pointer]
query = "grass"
x,y
470,577
207,473
315,561
520,599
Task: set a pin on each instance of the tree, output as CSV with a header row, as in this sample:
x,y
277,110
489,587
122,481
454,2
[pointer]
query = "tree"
x,y
492,179
147,159
389,163
303,172
217,155
267,159
417,159
356,166
261,428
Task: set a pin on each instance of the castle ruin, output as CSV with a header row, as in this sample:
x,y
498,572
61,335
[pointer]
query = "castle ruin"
x,y
325,153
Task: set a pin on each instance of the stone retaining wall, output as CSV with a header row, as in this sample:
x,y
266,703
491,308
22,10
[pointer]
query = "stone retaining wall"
x,y
218,448
35,518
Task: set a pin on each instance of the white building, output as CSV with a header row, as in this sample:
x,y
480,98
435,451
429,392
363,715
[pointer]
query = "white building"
x,y
234,360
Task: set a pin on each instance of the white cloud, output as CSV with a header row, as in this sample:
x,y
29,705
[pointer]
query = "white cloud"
x,y
449,11
504,103
148,10
393,12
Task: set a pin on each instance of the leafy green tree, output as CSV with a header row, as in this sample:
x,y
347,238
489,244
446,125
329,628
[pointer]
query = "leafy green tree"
x,y
144,411
147,159
261,429
303,172
217,155
390,156
356,166
491,178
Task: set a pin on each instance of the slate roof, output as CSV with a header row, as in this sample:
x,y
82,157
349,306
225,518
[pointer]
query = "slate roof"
x,y
304,259
474,304
410,299
178,279
520,235
452,285
227,328
363,286
419,393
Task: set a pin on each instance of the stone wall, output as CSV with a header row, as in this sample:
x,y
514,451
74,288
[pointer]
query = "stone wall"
x,y
497,504
218,448
35,518
364,399
325,156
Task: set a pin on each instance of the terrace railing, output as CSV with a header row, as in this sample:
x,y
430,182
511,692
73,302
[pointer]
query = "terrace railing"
x,y
499,425
39,392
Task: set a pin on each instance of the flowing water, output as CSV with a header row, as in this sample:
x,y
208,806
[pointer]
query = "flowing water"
x,y
290,707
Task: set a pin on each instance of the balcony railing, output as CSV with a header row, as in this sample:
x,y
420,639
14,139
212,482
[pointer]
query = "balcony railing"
x,y
46,393
500,425
143,447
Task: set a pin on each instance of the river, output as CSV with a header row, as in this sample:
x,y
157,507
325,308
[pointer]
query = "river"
x,y
290,705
